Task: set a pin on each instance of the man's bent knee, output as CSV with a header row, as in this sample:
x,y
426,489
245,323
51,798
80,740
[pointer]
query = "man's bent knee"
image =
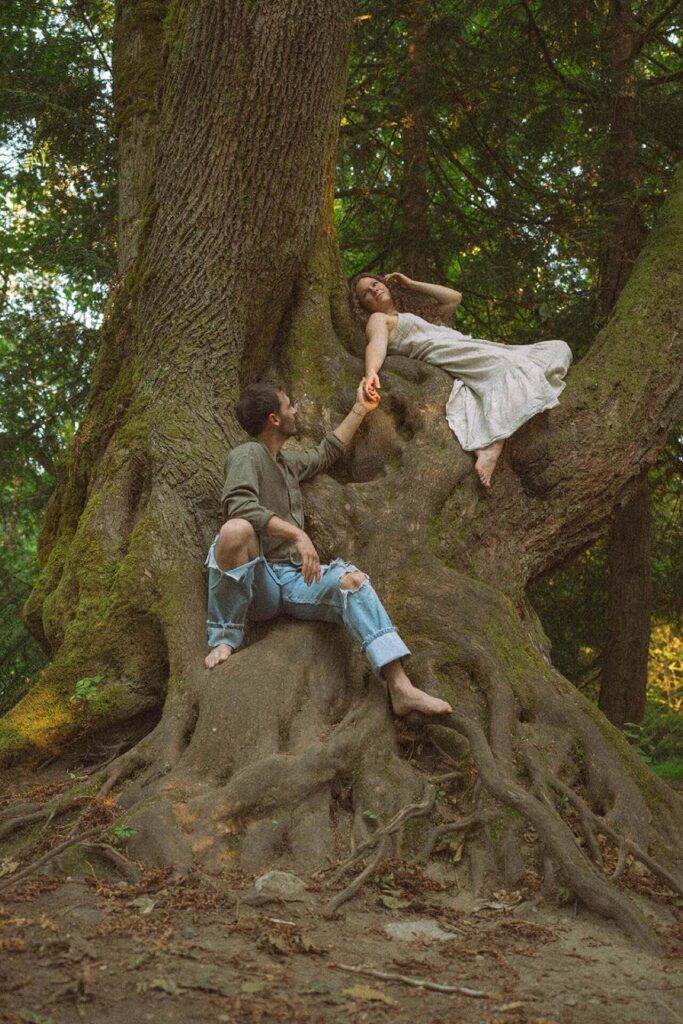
x,y
352,580
237,542
236,533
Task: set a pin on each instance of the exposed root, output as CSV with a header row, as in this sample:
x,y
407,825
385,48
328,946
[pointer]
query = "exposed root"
x,y
333,905
55,808
440,779
620,865
124,767
50,855
125,867
448,829
393,826
444,753
625,845
380,839
433,986
144,754
595,891
21,821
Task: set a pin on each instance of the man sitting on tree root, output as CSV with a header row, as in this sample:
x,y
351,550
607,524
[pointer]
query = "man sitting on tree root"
x,y
262,561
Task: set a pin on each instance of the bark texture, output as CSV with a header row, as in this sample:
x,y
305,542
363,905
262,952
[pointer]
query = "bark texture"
x,y
138,68
623,680
288,754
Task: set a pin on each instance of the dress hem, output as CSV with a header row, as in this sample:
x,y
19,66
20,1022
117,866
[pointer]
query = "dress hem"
x,y
524,418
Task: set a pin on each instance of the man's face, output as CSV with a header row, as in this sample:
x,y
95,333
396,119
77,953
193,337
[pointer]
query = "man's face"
x,y
287,416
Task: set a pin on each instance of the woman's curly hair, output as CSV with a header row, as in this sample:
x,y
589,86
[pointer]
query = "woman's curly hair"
x,y
404,300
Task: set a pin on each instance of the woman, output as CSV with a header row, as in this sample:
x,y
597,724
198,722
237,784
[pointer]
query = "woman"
x,y
497,387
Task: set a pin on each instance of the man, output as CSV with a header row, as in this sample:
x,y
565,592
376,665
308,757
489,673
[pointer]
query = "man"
x,y
262,561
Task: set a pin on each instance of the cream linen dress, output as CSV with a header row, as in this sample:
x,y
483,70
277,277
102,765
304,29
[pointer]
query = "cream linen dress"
x,y
497,387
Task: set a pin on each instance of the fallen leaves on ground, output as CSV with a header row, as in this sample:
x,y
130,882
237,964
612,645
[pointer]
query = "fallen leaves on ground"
x,y
368,994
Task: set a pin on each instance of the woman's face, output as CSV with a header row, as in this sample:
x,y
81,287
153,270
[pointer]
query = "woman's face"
x,y
373,295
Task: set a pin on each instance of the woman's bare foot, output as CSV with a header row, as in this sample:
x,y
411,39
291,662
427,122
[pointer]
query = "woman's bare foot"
x,y
217,655
486,461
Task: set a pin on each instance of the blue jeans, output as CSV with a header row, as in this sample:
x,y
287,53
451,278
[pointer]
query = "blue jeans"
x,y
266,589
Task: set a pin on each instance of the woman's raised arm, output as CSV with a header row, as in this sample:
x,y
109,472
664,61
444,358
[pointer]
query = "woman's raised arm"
x,y
377,332
447,298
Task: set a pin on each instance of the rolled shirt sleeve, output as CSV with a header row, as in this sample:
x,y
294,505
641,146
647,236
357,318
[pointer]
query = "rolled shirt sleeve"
x,y
315,460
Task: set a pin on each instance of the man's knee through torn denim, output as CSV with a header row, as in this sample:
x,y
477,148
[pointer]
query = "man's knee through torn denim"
x,y
265,589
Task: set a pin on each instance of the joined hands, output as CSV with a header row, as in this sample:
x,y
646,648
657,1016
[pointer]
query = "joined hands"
x,y
371,385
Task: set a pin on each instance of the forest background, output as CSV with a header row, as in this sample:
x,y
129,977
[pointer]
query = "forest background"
x,y
534,202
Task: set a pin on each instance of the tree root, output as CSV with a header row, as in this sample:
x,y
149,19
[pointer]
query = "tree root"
x,y
433,986
380,839
50,855
624,845
405,814
620,865
46,813
123,865
158,752
448,828
333,905
594,891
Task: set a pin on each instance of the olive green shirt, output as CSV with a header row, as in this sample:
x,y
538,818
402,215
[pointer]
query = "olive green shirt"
x,y
258,487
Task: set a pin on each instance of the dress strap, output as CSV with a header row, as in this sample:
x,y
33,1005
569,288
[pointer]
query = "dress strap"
x,y
402,324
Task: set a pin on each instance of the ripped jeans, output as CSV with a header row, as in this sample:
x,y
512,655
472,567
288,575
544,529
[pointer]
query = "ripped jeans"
x,y
266,589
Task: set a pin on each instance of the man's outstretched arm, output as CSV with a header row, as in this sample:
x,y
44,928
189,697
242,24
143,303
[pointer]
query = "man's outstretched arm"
x,y
360,409
307,464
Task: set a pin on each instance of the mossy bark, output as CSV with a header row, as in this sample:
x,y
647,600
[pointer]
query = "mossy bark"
x,y
286,754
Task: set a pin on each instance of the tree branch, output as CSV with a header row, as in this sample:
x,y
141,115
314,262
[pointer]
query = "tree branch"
x,y
548,58
648,83
650,27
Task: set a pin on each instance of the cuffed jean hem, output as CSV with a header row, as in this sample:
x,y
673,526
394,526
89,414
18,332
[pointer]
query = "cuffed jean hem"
x,y
385,648
229,633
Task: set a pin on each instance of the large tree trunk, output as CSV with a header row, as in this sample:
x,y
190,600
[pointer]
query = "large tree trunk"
x,y
278,756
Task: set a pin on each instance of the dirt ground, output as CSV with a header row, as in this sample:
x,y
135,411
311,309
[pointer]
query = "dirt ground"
x,y
174,950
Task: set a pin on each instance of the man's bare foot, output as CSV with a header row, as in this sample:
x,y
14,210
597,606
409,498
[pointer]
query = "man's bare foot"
x,y
217,655
486,461
406,699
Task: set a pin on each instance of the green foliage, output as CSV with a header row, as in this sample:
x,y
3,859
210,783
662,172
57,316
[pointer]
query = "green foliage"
x,y
58,175
672,771
516,102
86,689
122,832
57,228
659,737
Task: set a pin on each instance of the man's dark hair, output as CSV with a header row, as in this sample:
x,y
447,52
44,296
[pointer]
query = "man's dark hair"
x,y
255,405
